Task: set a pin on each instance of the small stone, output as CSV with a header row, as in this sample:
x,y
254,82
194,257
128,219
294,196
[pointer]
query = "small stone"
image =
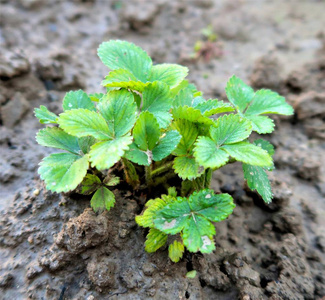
x,y
36,192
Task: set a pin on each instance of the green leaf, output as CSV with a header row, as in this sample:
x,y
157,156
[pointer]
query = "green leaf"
x,y
104,155
191,274
257,180
102,199
77,99
212,107
187,167
62,172
124,55
192,217
90,184
249,154
85,143
208,155
268,102
265,145
56,138
119,110
138,156
238,93
166,145
230,129
156,98
112,181
146,131
189,133
96,97
191,114
83,122
175,251
163,118
45,116
171,74
184,97
123,79
155,240
261,124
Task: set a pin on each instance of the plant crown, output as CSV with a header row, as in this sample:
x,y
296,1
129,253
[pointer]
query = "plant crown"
x,y
157,127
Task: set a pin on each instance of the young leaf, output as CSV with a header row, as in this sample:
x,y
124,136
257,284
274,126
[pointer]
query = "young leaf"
x,y
146,131
186,167
208,155
119,110
90,184
155,240
193,217
230,129
191,114
166,145
124,55
191,274
83,122
62,172
212,107
77,99
104,155
261,124
238,93
123,79
56,138
175,251
138,156
45,116
171,74
85,143
268,102
102,199
249,154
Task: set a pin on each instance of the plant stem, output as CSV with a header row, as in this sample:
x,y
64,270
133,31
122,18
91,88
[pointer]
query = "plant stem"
x,y
163,179
148,175
162,169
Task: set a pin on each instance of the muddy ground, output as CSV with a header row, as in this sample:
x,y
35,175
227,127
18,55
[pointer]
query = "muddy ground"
x,y
54,247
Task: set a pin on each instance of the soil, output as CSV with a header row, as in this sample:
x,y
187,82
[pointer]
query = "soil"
x,y
55,247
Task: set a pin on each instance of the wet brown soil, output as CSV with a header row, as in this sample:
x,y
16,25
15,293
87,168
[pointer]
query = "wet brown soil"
x,y
54,247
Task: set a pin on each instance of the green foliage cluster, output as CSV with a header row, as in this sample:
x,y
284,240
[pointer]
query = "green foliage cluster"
x,y
155,126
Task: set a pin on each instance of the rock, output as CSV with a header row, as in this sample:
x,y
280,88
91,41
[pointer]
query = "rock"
x,y
13,64
102,272
33,270
80,233
12,112
6,280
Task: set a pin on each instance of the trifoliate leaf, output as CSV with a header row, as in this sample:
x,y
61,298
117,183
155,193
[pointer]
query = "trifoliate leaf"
x,y
268,102
261,124
192,217
249,154
171,74
230,129
191,114
257,180
102,199
191,274
57,138
45,116
123,79
119,110
146,131
90,184
104,155
208,155
166,145
124,55
156,98
96,97
83,122
155,240
238,93
212,107
187,168
77,99
62,172
189,132
138,156
175,251
85,143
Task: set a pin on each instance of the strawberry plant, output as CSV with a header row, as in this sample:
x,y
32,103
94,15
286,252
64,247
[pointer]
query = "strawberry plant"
x,y
153,130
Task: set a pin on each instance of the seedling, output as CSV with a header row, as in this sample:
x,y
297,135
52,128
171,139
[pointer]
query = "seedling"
x,y
152,130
